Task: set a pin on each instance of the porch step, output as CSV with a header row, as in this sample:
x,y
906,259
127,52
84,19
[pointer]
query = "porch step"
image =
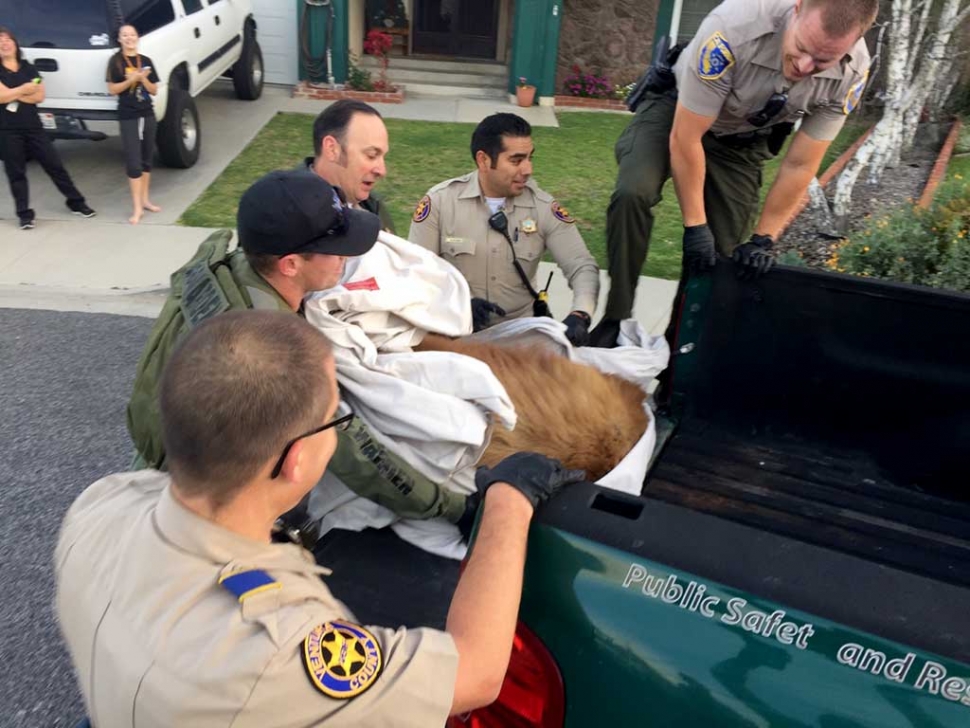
x,y
468,92
433,77
441,65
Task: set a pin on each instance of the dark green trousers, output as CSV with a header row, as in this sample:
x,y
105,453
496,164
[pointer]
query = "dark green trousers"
x,y
732,193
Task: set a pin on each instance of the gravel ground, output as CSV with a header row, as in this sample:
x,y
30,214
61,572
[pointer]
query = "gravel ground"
x,y
64,384
897,187
64,381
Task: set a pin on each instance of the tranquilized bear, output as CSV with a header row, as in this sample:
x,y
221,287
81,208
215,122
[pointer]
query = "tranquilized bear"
x,y
569,411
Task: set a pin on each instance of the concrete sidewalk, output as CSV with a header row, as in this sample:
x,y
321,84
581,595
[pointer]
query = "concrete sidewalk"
x,y
106,265
228,125
99,267
425,108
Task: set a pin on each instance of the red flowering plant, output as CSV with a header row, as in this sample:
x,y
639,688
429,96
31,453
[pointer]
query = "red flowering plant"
x,y
588,85
378,43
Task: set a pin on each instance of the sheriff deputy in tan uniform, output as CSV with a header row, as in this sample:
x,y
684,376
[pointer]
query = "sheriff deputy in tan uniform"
x,y
753,69
177,608
452,220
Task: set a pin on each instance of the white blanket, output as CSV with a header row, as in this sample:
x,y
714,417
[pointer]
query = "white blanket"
x,y
432,408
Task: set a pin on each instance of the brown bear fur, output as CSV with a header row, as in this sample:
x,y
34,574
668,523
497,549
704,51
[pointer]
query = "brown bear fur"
x,y
569,411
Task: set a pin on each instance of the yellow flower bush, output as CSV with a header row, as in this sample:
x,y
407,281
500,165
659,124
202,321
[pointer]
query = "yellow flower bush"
x,y
923,247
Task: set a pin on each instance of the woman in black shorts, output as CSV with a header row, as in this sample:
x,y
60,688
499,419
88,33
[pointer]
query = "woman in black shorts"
x,y
132,79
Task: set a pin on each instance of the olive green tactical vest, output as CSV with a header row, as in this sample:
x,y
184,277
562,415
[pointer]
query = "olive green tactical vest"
x,y
214,281
203,287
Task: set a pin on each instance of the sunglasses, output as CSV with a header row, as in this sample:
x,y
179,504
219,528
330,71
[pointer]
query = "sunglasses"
x,y
342,424
772,108
337,227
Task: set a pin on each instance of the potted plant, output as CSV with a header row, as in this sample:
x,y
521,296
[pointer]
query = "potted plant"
x,y
525,93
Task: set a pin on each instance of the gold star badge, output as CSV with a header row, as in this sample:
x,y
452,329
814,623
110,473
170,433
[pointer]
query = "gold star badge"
x,y
342,659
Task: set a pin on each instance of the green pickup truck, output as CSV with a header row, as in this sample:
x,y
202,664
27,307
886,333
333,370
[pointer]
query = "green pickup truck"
x,y
800,553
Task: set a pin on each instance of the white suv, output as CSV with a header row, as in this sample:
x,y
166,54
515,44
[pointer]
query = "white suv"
x,y
191,43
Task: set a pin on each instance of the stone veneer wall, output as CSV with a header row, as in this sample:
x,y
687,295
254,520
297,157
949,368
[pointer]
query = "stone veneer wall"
x,y
608,37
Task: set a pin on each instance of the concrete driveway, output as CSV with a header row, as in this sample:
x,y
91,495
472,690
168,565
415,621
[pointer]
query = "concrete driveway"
x,y
98,168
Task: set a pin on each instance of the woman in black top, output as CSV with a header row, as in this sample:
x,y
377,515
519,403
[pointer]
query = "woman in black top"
x,y
132,79
21,133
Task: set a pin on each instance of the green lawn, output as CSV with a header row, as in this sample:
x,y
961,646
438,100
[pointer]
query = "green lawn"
x,y
574,162
959,168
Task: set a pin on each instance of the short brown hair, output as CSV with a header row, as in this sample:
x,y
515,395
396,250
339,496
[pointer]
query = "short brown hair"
x,y
841,17
265,264
334,120
262,263
234,392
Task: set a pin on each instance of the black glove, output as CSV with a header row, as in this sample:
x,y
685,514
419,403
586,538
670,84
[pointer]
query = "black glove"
x,y
467,519
535,476
699,252
481,310
577,328
754,258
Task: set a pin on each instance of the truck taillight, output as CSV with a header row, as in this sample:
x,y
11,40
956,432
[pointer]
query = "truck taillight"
x,y
532,695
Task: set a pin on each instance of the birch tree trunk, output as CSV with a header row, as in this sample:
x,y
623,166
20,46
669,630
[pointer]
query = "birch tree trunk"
x,y
898,73
818,202
933,58
877,148
917,74
942,89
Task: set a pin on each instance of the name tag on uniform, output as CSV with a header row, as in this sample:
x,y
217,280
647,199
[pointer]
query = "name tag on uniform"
x,y
458,246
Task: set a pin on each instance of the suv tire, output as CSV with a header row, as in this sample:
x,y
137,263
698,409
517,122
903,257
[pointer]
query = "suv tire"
x,y
247,74
179,133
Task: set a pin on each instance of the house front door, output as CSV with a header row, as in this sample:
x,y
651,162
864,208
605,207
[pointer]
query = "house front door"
x,y
467,28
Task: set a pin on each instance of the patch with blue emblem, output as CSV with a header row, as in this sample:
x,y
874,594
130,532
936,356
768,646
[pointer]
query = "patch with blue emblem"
x,y
342,659
855,94
245,584
561,213
423,209
715,59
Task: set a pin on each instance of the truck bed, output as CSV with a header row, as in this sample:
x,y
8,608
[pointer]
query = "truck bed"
x,y
834,497
814,433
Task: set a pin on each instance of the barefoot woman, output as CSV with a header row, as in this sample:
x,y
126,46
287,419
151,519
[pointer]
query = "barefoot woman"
x,y
132,79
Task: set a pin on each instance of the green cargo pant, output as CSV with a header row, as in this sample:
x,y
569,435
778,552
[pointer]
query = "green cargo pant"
x,y
732,193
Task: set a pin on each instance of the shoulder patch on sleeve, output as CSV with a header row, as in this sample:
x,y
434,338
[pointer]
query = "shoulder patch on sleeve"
x,y
561,213
244,584
854,95
715,58
423,209
342,659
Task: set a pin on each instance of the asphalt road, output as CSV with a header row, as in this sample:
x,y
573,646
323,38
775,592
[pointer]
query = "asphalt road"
x,y
64,384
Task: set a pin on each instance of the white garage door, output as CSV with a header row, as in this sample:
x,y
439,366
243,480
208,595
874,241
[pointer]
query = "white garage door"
x,y
276,28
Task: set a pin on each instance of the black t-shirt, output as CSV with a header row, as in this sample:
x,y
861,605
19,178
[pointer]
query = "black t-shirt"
x,y
25,116
135,101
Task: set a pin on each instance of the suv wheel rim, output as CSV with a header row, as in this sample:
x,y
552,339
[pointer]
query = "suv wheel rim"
x,y
257,71
190,133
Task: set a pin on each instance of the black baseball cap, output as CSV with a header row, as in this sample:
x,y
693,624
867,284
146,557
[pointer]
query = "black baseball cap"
x,y
296,211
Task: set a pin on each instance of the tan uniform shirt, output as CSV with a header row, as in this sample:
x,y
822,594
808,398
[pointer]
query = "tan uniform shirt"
x,y
452,221
734,64
157,640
